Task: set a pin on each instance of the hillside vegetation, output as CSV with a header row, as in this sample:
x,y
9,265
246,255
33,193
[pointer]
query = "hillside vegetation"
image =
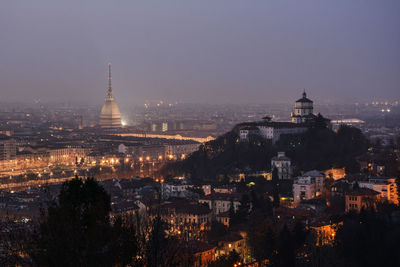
x,y
318,148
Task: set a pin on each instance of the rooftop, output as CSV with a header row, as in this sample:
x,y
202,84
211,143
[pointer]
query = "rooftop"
x,y
222,196
363,192
187,208
304,99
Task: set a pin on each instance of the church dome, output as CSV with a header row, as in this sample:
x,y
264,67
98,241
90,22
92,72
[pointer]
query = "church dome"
x,y
304,99
110,116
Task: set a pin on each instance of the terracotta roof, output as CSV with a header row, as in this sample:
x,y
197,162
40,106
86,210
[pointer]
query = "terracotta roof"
x,y
363,192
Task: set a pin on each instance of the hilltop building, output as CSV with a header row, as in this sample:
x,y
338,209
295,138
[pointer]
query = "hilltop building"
x,y
110,117
303,110
270,130
301,119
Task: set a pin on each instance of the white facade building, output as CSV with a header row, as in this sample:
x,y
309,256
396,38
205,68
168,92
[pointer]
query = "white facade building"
x,y
246,131
283,165
273,130
308,186
174,189
303,188
220,203
301,119
270,130
319,178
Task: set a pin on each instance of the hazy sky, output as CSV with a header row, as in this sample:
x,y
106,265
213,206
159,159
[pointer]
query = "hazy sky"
x,y
199,51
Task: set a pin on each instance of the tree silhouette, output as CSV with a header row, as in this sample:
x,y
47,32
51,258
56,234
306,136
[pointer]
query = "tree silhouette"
x,y
76,231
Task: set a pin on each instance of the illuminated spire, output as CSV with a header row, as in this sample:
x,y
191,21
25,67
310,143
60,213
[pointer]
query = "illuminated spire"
x,y
109,93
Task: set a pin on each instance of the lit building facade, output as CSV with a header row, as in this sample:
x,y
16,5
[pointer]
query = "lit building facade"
x,y
362,198
110,116
385,186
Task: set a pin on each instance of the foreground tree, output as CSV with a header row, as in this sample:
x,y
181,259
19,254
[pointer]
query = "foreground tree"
x,y
370,238
76,231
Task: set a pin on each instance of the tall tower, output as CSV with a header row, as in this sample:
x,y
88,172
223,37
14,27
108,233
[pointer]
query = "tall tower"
x,y
110,116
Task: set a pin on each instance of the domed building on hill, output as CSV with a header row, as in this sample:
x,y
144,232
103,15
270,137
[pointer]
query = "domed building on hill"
x,y
303,110
302,119
110,116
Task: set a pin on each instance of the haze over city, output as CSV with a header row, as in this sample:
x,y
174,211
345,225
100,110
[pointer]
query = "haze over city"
x,y
200,52
200,133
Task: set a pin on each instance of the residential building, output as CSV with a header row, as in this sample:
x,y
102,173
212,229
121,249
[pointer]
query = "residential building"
x,y
308,186
361,198
386,186
176,188
179,213
283,165
201,252
303,188
220,203
319,178
232,242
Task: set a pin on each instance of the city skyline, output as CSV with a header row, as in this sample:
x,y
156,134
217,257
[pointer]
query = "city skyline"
x,y
227,133
223,53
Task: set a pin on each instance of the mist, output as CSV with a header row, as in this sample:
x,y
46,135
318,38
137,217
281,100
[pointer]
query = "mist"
x,y
199,51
